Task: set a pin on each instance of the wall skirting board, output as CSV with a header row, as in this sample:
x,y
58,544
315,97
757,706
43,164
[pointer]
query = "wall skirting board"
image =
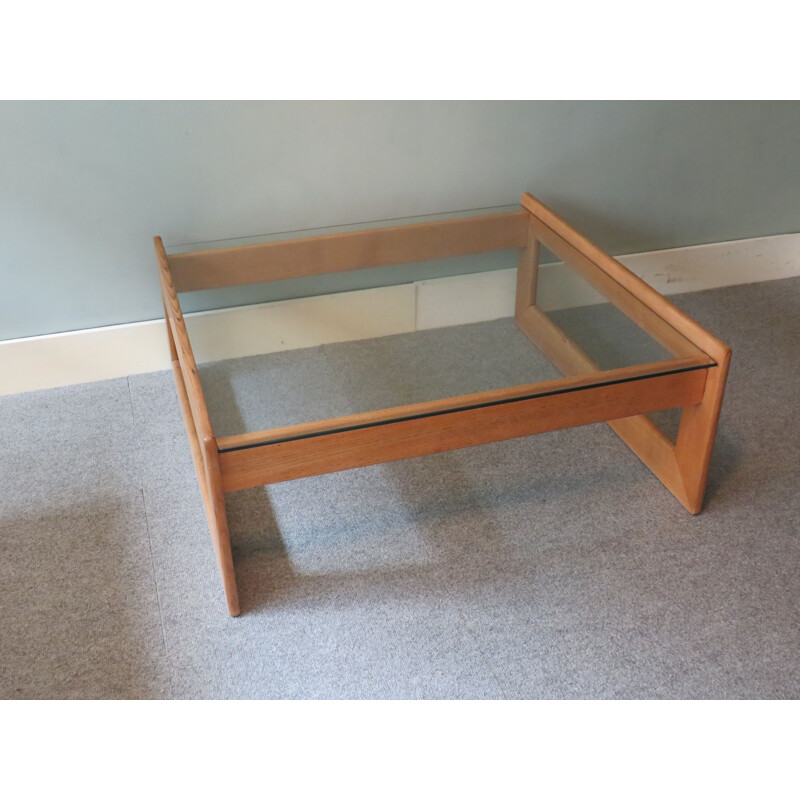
x,y
62,359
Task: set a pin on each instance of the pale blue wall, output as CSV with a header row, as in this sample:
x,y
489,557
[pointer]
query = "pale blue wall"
x,y
85,185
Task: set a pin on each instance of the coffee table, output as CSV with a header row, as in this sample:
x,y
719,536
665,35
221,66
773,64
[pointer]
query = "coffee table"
x,y
665,360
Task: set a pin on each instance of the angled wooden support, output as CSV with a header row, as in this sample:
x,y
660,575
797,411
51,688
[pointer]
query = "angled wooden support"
x,y
527,274
682,466
697,432
202,442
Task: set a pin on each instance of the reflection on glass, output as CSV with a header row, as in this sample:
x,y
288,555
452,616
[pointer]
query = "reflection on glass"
x,y
604,333
303,233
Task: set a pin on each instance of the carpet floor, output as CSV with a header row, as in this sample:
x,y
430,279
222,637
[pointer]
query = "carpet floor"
x,y
554,566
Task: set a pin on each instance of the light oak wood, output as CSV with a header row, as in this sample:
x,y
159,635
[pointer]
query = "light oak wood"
x,y
202,443
170,338
681,467
697,433
648,296
647,319
206,464
281,461
590,377
571,361
655,451
554,344
219,525
527,274
272,261
180,341
639,433
191,435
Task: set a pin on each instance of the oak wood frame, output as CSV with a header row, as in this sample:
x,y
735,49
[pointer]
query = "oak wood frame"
x,y
694,380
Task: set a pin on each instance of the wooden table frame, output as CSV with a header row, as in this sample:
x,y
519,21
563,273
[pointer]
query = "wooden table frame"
x,y
693,380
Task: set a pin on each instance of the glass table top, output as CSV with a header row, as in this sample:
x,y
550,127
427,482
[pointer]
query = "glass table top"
x,y
600,326
304,233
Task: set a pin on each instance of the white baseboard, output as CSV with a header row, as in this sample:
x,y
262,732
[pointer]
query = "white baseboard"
x,y
490,295
96,354
62,359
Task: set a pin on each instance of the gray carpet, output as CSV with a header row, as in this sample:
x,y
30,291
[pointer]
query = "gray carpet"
x,y
549,567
